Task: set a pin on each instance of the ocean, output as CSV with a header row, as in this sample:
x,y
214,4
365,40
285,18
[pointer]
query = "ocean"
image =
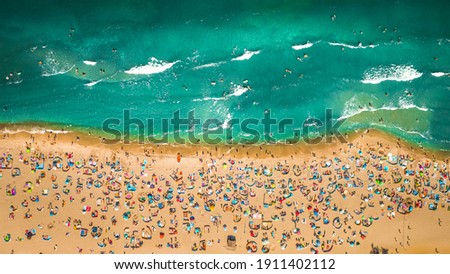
x,y
375,64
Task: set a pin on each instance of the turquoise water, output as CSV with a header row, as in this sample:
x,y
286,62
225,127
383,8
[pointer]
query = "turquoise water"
x,y
380,64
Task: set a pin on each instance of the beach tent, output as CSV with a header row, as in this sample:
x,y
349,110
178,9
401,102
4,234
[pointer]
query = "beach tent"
x,y
57,163
10,191
237,218
114,186
79,164
131,186
40,166
267,172
253,226
46,237
83,232
15,172
87,171
66,168
210,205
162,223
231,241
337,223
5,163
251,247
173,231
96,232
128,176
146,233
266,224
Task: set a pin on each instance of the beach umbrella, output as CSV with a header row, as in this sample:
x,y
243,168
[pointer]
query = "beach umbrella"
x,y
83,232
10,191
337,223
146,233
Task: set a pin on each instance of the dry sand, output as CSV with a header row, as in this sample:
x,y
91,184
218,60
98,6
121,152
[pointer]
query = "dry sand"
x,y
268,209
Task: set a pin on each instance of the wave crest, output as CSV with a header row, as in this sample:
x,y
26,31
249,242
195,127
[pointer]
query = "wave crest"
x,y
209,65
236,90
247,55
208,99
397,73
359,46
93,83
154,66
90,63
303,46
440,74
352,108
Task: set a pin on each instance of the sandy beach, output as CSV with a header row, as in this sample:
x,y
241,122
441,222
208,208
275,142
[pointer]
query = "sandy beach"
x,y
70,193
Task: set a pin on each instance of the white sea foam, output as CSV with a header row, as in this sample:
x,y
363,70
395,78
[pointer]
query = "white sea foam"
x,y
226,123
359,46
303,46
154,66
34,131
93,83
415,132
209,99
15,82
90,63
352,108
407,104
247,55
390,73
348,114
53,66
209,65
238,90
440,74
14,78
425,135
55,71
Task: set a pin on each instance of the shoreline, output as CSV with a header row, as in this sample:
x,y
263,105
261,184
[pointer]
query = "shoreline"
x,y
75,201
94,137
